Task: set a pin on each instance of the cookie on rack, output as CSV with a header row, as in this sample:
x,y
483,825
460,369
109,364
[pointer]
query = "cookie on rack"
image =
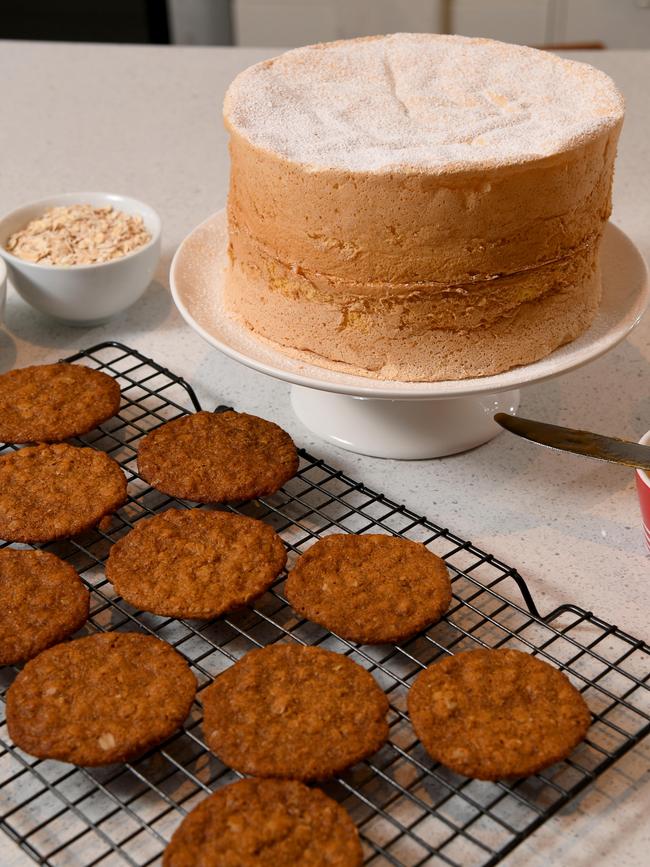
x,y
302,713
490,714
53,402
266,823
42,602
195,563
56,491
101,699
217,457
371,588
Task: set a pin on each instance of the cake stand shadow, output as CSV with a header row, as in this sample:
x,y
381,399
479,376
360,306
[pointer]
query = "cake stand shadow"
x,y
403,420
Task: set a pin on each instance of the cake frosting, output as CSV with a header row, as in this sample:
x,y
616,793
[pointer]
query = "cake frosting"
x,y
418,207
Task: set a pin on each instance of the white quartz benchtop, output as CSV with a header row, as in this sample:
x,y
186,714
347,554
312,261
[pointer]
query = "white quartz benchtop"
x,y
146,121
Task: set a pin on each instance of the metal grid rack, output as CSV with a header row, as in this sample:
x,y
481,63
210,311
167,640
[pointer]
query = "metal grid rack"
x,y
410,811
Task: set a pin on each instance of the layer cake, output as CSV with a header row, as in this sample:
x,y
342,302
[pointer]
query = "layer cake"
x,y
418,207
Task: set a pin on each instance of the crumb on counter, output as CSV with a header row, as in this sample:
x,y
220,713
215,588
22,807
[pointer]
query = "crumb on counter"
x,y
79,235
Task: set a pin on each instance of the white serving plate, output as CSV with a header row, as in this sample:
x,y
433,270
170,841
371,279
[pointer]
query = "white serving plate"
x,y
399,419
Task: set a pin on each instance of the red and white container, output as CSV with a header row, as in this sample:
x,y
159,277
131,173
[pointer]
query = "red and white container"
x,y
643,488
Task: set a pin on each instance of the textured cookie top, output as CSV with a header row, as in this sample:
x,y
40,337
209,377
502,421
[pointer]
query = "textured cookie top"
x,y
441,103
42,601
52,402
195,563
370,589
101,699
265,823
490,714
298,712
217,457
52,492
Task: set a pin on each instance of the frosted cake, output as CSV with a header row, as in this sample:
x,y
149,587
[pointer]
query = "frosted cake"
x,y
418,207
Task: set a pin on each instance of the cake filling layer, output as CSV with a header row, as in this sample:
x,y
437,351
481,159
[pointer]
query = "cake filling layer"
x,y
389,307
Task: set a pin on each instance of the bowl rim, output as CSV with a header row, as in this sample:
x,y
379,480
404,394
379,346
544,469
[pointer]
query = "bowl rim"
x,y
50,202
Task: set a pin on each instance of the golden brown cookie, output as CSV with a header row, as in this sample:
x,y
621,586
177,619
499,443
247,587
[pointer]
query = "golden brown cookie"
x,y
42,602
370,589
290,711
266,823
490,714
52,402
102,699
195,563
56,491
217,457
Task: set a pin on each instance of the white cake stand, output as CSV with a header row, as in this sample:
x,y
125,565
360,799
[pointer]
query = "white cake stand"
x,y
405,420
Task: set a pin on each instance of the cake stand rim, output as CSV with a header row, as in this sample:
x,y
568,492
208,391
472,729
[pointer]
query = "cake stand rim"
x,y
563,360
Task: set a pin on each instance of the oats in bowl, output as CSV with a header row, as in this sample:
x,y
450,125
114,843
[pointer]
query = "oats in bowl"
x,y
79,235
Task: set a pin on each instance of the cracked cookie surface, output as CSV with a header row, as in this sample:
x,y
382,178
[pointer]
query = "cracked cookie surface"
x,y
371,588
297,712
56,491
101,699
42,602
217,457
195,563
266,823
53,402
490,714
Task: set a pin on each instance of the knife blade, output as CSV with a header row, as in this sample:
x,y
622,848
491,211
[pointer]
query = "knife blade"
x,y
580,442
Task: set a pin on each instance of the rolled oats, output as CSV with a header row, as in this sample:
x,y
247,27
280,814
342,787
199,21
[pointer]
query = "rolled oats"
x,y
79,235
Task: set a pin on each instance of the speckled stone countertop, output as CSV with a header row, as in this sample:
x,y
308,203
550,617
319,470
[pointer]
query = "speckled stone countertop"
x,y
145,121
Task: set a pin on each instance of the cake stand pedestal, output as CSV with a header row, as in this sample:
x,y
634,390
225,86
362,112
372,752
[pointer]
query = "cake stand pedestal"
x,y
403,420
402,429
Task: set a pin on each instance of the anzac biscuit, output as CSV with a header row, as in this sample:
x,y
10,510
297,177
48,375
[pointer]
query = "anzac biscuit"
x,y
370,589
52,402
266,823
194,563
490,714
292,711
217,457
102,699
56,491
42,602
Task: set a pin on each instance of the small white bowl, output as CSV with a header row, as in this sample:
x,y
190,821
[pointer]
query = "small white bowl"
x,y
83,294
3,289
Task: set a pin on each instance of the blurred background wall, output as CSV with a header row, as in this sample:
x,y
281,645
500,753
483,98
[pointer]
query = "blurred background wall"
x,y
287,23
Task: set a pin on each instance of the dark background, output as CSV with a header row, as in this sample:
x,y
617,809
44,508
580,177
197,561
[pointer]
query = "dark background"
x,y
86,20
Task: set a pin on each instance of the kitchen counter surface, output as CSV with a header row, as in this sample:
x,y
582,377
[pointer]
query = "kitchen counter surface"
x,y
145,121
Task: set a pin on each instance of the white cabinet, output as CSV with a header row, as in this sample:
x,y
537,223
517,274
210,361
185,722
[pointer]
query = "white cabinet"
x,y
523,21
616,23
299,22
287,23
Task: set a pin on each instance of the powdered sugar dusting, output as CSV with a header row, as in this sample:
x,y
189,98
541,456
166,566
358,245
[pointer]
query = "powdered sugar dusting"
x,y
422,101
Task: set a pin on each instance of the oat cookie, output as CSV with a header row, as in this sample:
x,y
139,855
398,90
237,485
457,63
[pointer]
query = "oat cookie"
x,y
292,711
370,589
102,699
56,491
217,457
53,402
42,602
195,563
266,823
490,714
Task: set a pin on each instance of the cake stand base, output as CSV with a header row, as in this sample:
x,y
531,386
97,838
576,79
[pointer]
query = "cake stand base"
x,y
402,429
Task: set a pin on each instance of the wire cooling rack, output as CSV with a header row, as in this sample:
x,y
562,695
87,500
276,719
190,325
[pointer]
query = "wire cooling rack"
x,y
409,810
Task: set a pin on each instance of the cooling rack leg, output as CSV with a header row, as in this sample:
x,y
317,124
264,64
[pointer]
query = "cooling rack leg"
x,y
402,429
